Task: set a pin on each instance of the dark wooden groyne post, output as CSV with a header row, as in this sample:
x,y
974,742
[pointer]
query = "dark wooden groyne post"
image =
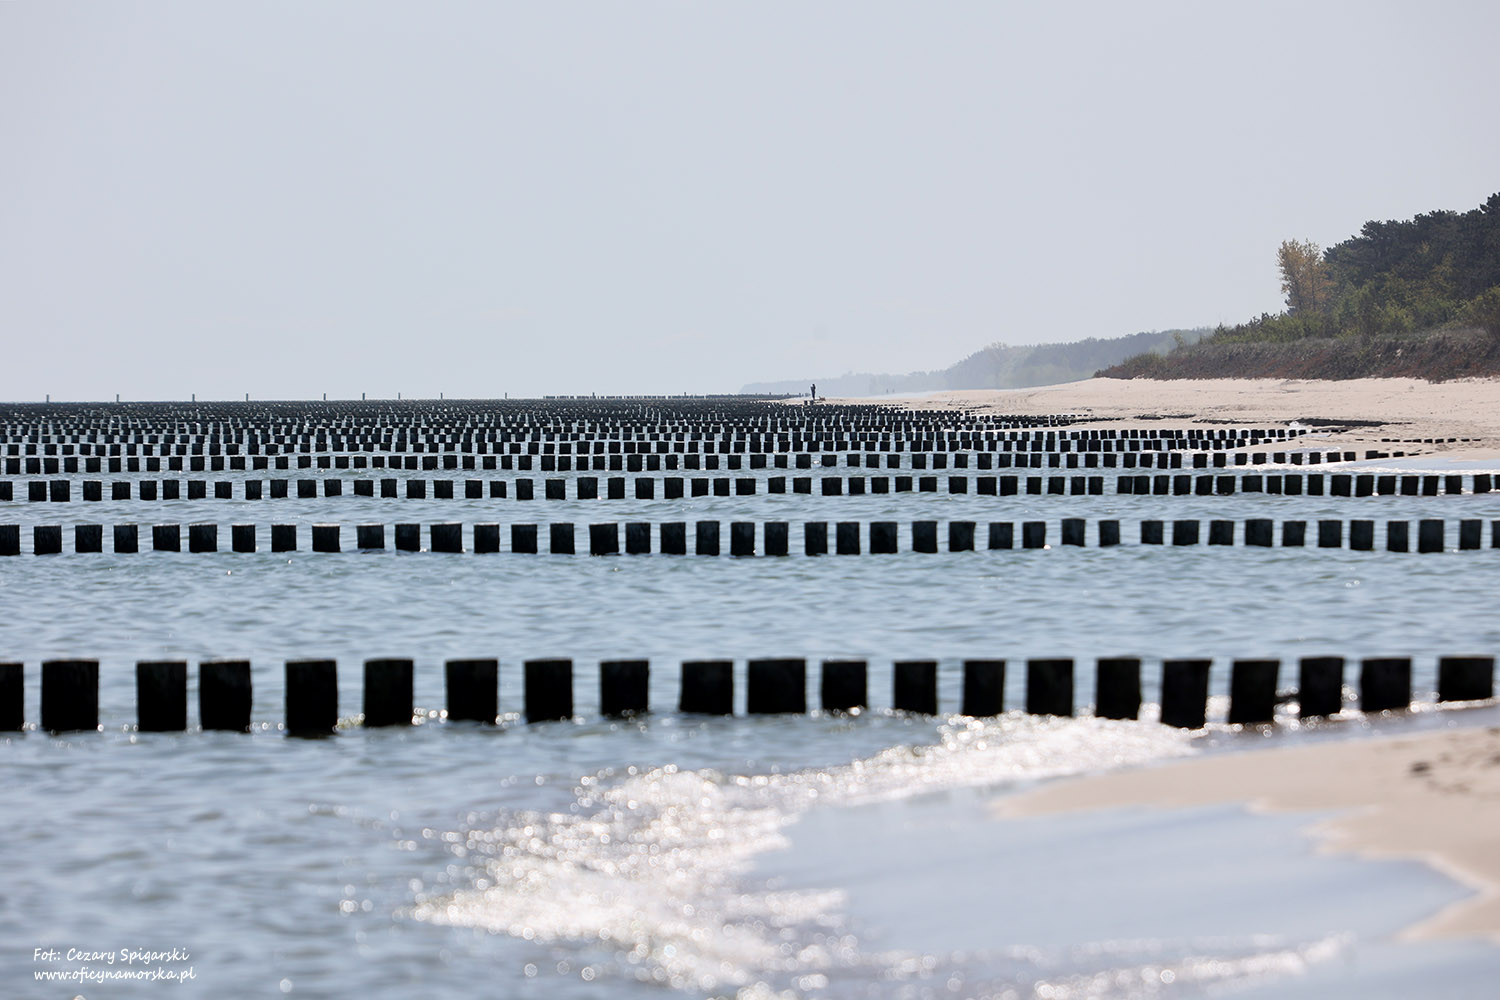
x,y
408,537
882,537
1430,535
523,538
70,695
984,688
1073,531
46,539
1252,691
1320,686
388,692
12,697
1049,687
448,537
127,538
561,540
166,537
325,538
224,695
844,685
473,690
1466,678
203,538
1385,683
674,538
624,688
1260,531
1117,688
775,686
604,539
742,538
283,538
161,696
1184,693
549,689
88,538
914,686
706,538
312,697
707,687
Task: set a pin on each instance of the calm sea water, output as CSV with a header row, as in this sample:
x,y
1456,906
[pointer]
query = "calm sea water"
x,y
659,857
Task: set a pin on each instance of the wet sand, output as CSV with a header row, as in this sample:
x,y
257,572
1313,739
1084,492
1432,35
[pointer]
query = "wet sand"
x,y
1103,893
1433,797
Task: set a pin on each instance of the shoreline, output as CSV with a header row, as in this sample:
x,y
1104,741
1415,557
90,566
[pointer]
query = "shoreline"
x,y
1406,410
1430,797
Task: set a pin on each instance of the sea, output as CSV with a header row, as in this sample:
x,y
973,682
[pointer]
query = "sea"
x,y
818,855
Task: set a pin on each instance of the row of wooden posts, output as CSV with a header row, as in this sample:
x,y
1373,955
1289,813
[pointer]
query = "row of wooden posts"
x,y
673,487
759,431
70,690
671,537
690,462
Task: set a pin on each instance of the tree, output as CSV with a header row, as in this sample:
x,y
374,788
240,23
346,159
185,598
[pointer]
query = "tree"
x,y
1304,277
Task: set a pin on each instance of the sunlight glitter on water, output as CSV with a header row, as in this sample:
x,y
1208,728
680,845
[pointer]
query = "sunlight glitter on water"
x,y
653,867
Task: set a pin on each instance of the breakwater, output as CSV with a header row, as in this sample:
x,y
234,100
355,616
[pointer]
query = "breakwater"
x,y
70,690
676,487
790,479
749,538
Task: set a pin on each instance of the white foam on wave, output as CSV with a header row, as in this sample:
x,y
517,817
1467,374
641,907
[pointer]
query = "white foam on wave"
x,y
1193,973
652,867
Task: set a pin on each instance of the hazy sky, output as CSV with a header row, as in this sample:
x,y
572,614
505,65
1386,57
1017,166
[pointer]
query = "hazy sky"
x,y
288,199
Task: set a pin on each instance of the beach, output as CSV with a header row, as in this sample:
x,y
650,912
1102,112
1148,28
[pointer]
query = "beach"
x,y
805,853
1409,411
1345,859
1433,797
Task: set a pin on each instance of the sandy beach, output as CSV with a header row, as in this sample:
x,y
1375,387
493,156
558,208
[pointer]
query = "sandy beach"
x,y
1433,797
1408,411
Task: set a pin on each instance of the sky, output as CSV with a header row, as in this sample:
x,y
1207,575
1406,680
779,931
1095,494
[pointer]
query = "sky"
x,y
479,199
